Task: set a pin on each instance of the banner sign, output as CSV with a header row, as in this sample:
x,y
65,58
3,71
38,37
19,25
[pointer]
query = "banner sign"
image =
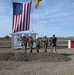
x,y
16,40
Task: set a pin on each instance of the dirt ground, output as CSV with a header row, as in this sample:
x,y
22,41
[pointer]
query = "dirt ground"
x,y
38,67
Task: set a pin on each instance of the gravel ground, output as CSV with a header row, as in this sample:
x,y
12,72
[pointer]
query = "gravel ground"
x,y
37,67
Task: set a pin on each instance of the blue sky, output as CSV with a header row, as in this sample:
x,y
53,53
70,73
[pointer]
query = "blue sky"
x,y
51,17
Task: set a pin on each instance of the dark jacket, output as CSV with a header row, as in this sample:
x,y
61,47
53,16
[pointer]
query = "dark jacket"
x,y
53,41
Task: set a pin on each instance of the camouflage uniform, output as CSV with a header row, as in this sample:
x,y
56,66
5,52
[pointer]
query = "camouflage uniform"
x,y
30,42
37,45
45,43
24,43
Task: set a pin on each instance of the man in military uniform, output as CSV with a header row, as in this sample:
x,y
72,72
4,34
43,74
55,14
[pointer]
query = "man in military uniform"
x,y
37,42
45,43
30,42
23,41
53,41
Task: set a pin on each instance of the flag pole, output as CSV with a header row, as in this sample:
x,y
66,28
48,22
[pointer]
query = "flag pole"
x,y
32,23
31,18
12,16
12,27
36,6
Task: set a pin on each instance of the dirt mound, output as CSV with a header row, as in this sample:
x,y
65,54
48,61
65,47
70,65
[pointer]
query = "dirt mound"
x,y
47,57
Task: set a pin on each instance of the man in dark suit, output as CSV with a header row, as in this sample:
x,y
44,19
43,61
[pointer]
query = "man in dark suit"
x,y
53,41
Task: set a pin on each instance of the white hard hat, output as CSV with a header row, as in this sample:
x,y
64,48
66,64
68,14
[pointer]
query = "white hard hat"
x,y
44,35
29,34
22,34
36,37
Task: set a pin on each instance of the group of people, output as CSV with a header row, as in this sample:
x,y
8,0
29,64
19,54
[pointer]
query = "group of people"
x,y
30,41
24,41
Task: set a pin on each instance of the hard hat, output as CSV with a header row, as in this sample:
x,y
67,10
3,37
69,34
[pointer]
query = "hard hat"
x,y
36,37
22,34
29,34
44,35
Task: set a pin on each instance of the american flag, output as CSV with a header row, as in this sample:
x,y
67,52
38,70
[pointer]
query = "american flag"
x,y
21,16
